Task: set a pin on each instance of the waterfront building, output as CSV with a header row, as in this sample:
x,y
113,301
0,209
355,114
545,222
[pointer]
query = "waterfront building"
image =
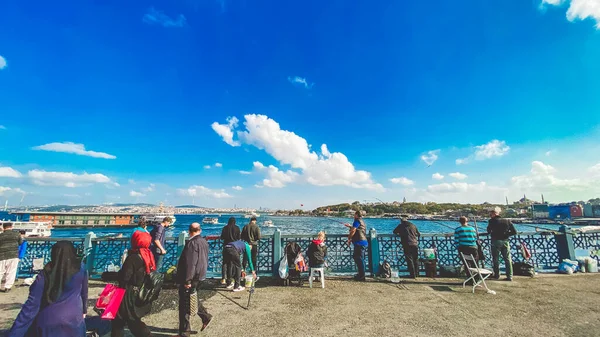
x,y
79,218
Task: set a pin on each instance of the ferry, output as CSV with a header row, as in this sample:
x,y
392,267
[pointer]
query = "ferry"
x,y
210,221
251,215
268,223
154,219
32,229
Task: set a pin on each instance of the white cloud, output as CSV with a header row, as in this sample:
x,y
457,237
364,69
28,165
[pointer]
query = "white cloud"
x,y
9,190
2,127
149,189
218,165
206,167
437,176
495,148
461,188
275,177
197,190
67,179
548,153
461,161
458,176
325,169
245,172
226,130
131,181
595,170
9,172
237,188
430,157
300,81
542,178
2,62
402,181
156,17
136,194
579,9
69,147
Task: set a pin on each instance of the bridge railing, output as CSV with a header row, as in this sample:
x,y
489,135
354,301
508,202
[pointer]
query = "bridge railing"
x,y
547,249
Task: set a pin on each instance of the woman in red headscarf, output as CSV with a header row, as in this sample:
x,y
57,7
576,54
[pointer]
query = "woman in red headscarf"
x,y
137,265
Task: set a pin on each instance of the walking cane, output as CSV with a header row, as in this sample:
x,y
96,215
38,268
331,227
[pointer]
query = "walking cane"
x,y
251,291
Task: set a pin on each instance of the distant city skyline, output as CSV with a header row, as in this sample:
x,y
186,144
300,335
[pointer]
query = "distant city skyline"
x,y
298,105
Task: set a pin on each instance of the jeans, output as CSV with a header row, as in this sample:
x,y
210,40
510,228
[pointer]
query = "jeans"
x,y
232,261
158,259
411,254
502,247
184,310
359,258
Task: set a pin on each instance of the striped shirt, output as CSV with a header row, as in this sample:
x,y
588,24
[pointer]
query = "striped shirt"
x,y
465,236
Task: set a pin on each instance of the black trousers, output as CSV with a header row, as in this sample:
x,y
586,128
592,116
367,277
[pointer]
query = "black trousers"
x,y
185,326
232,262
137,327
411,254
468,251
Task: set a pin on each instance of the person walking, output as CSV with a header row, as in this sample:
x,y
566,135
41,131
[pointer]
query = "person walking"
x,y
229,233
500,230
358,237
9,255
191,272
158,241
231,257
409,237
465,238
251,234
142,224
57,302
138,264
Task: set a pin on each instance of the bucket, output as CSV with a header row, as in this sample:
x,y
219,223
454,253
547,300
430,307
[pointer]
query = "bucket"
x,y
395,277
592,265
249,281
429,253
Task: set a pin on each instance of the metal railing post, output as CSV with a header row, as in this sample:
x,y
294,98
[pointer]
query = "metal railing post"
x,y
89,251
373,252
181,243
276,252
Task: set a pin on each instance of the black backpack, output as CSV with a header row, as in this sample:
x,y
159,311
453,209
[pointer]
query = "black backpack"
x,y
150,288
523,269
385,270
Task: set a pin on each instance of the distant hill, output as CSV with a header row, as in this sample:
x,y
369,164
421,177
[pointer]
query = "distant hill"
x,y
133,205
189,206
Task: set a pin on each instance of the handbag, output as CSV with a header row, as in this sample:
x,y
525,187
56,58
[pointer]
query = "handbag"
x,y
109,301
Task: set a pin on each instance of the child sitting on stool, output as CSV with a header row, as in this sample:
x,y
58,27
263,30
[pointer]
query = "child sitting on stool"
x,y
317,252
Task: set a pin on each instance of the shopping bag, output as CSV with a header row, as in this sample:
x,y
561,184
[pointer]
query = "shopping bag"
x,y
105,296
112,307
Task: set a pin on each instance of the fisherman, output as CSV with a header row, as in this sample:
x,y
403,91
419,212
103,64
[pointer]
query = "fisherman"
x,y
251,234
500,231
9,255
409,237
465,237
231,257
358,236
191,272
158,241
229,233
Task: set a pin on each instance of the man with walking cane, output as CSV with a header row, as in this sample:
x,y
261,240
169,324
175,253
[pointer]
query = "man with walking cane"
x,y
191,272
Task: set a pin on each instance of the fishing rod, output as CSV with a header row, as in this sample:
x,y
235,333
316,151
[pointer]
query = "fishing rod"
x,y
547,229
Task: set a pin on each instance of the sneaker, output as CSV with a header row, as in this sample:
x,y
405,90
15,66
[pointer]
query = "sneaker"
x,y
223,282
238,289
5,290
360,279
205,324
230,286
257,278
508,279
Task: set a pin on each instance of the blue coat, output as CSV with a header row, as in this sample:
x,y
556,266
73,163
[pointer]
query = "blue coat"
x,y
63,318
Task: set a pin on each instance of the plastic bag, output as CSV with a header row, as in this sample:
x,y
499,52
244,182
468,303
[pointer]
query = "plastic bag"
x,y
111,301
568,267
283,267
105,296
300,264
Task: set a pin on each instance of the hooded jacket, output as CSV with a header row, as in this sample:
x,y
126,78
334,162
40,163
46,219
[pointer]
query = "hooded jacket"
x,y
316,253
231,232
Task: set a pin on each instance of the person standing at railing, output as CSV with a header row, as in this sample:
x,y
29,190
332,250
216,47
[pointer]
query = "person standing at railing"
x,y
9,255
138,263
57,302
500,231
158,241
191,272
229,233
358,237
465,238
231,257
409,237
251,234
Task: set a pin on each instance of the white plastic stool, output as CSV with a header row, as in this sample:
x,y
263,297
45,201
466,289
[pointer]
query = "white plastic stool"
x,y
312,274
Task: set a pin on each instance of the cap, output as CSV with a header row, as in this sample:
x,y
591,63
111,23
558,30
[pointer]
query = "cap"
x,y
253,218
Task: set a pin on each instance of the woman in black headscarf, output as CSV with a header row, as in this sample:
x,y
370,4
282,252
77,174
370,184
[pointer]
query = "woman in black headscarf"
x,y
57,302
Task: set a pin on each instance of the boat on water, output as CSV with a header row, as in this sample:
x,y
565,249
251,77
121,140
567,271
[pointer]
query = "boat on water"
x,y
268,223
154,219
251,215
210,221
33,229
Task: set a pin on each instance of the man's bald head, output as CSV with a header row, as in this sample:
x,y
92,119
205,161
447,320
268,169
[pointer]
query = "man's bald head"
x,y
194,228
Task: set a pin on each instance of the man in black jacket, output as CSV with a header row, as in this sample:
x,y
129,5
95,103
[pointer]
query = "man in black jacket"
x,y
500,230
229,233
191,271
409,236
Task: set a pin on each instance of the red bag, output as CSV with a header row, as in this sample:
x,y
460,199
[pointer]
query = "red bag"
x,y
110,300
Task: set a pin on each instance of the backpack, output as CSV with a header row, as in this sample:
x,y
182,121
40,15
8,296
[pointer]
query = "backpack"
x,y
523,269
385,270
150,289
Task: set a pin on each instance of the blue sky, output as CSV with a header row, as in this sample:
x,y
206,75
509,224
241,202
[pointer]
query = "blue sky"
x,y
398,92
